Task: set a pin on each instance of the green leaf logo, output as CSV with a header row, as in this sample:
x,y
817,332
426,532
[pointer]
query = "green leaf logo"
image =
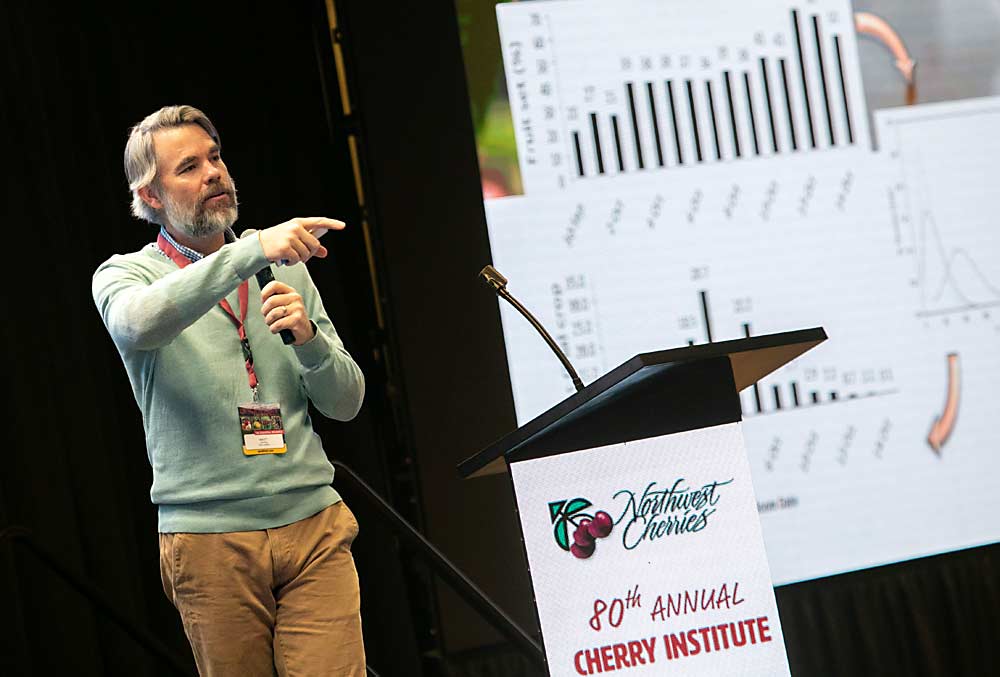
x,y
564,513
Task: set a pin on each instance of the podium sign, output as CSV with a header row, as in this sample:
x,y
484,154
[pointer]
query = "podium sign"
x,y
639,519
670,577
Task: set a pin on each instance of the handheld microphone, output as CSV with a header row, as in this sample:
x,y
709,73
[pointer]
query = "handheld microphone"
x,y
499,284
264,275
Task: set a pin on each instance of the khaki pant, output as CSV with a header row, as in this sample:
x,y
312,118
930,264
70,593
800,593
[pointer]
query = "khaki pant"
x,y
283,600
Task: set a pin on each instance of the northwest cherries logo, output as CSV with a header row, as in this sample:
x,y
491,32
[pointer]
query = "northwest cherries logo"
x,y
587,528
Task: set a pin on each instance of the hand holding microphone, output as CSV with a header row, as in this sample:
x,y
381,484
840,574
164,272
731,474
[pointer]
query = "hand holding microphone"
x,y
285,312
292,242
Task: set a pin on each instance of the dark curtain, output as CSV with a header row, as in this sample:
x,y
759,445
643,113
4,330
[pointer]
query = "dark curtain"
x,y
73,78
936,616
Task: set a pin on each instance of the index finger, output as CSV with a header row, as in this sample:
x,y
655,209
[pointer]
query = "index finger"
x,y
274,287
315,224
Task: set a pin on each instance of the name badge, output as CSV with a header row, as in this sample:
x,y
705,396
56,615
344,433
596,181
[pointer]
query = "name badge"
x,y
262,428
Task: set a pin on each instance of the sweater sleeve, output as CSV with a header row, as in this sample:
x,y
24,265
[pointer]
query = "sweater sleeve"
x,y
144,315
332,379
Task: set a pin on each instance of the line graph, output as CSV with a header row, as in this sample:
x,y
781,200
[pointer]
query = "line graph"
x,y
959,275
945,158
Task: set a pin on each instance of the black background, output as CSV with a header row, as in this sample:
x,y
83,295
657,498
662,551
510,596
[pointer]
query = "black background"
x,y
75,77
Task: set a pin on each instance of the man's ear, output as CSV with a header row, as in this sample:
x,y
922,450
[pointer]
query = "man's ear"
x,y
148,194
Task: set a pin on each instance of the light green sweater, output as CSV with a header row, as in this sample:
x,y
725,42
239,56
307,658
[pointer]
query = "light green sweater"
x,y
183,357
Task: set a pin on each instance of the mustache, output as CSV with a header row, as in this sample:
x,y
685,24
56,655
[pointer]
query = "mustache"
x,y
222,189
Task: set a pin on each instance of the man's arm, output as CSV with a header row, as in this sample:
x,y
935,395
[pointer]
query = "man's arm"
x,y
332,379
145,316
141,315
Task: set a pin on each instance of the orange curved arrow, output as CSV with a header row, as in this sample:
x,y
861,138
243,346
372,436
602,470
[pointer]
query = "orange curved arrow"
x,y
879,28
944,424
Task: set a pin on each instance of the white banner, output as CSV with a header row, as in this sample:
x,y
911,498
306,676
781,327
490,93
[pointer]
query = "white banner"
x,y
648,556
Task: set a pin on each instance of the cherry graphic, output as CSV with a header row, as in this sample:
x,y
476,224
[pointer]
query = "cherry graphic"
x,y
582,535
600,526
581,551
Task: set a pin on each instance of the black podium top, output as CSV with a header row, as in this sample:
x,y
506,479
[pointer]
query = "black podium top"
x,y
651,394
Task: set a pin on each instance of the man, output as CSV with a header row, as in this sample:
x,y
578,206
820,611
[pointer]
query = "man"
x,y
255,545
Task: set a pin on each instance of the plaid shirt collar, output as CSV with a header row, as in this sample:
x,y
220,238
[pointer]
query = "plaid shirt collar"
x,y
190,254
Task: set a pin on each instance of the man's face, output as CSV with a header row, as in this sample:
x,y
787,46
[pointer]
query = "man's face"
x,y
196,193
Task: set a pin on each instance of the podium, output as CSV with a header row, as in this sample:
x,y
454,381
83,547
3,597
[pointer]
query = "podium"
x,y
638,516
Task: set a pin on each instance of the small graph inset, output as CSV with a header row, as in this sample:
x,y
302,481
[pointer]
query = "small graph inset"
x,y
951,280
943,204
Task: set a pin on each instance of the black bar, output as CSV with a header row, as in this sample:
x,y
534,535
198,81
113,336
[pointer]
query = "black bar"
x,y
656,122
802,73
694,120
767,98
822,79
777,396
441,565
618,143
704,314
635,124
795,393
756,386
673,118
732,114
788,102
753,118
579,155
715,126
843,90
815,397
597,143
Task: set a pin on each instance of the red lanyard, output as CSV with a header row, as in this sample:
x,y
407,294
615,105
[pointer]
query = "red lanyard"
x,y
240,322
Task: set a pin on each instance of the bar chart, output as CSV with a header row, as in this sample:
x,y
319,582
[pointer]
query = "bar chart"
x,y
714,257
815,385
818,385
598,91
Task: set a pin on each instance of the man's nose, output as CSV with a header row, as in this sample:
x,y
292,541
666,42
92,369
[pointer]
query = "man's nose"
x,y
212,173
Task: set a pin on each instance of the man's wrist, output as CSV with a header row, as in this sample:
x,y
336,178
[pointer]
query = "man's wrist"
x,y
315,352
315,331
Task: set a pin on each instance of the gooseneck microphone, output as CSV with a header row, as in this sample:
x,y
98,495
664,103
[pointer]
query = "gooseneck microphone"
x,y
264,275
499,284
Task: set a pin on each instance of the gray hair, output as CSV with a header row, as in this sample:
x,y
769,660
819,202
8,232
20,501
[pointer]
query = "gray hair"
x,y
140,156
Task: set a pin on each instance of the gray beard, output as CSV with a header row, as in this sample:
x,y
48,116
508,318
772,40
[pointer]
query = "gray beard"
x,y
197,221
